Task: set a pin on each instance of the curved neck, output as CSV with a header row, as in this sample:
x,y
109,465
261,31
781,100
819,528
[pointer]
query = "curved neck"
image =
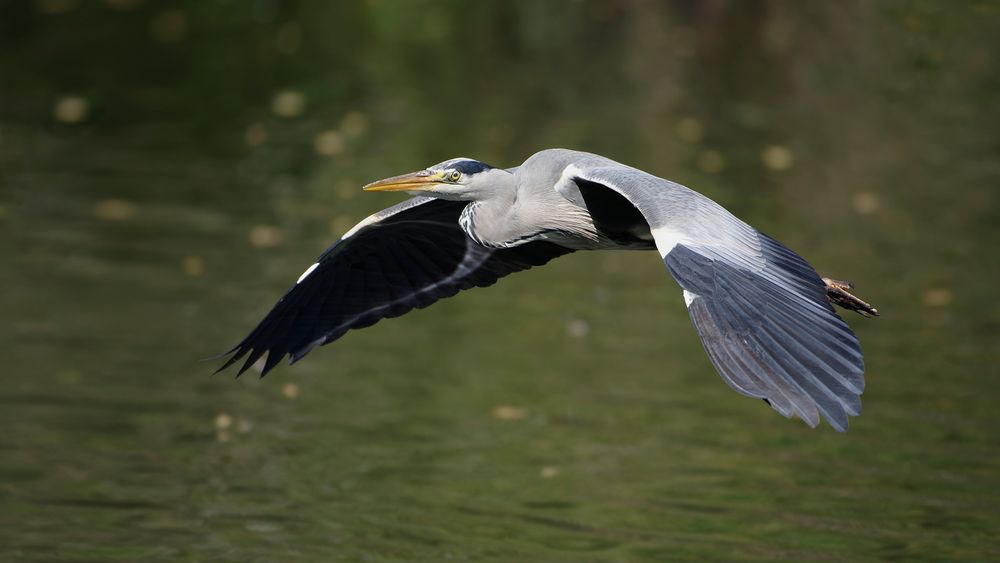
x,y
513,213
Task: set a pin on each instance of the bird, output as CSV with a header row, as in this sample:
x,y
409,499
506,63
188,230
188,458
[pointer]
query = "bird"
x,y
763,314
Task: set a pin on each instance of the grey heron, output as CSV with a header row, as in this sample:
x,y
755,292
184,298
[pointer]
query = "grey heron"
x,y
763,314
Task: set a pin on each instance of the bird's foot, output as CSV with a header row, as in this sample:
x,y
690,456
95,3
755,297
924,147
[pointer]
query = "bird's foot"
x,y
836,291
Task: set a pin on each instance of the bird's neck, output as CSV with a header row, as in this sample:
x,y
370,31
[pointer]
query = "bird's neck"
x,y
515,217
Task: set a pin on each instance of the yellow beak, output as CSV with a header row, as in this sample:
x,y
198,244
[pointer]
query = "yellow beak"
x,y
421,181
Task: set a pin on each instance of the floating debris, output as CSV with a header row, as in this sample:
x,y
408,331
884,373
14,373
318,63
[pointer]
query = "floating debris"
x,y
711,161
193,266
266,236
329,143
507,412
690,130
291,391
577,328
354,124
549,471
71,109
70,376
223,421
114,210
938,297
601,295
255,135
865,203
778,158
289,103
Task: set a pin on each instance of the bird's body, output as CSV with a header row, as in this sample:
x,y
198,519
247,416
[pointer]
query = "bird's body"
x,y
762,312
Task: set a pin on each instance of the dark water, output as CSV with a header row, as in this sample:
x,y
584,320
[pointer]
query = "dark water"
x,y
168,169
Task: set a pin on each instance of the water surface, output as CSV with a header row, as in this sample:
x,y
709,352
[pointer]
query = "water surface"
x,y
168,169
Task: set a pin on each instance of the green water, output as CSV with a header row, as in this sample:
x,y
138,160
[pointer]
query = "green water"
x,y
168,169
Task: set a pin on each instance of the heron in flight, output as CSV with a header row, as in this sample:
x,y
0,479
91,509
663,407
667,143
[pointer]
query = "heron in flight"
x,y
763,314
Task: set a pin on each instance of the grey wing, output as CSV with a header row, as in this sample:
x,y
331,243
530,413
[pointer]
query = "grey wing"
x,y
761,311
404,257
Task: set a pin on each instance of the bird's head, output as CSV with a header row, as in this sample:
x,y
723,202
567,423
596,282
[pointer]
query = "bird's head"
x,y
460,179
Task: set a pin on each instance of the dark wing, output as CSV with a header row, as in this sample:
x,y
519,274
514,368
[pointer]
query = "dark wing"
x,y
404,257
761,311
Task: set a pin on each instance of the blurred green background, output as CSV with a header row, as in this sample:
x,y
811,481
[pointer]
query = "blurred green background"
x,y
167,169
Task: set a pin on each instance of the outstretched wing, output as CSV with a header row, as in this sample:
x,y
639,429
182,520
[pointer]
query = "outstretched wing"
x,y
404,257
761,311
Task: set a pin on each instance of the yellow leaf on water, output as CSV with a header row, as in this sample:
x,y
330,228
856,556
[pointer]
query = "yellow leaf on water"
x,y
71,109
289,103
578,328
711,161
255,135
690,130
223,421
778,158
938,297
193,266
266,236
114,210
507,412
865,202
290,391
354,124
329,143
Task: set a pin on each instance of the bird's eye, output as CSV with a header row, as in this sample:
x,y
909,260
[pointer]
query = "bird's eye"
x,y
456,175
